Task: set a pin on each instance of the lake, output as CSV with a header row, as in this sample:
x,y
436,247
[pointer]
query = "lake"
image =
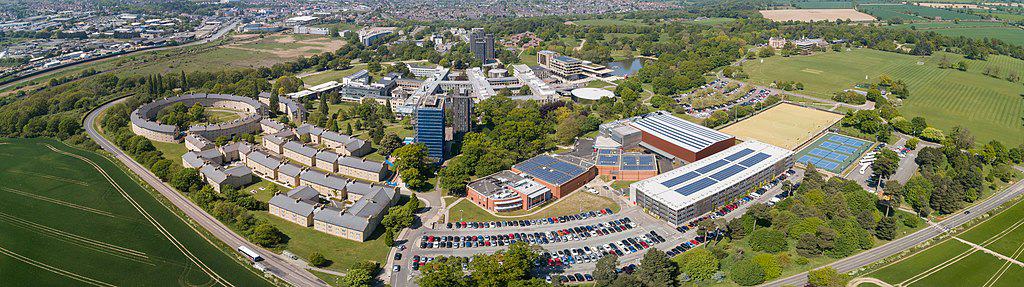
x,y
626,68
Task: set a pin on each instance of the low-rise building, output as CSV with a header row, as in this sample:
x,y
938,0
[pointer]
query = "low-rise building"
x,y
298,152
359,220
507,191
296,206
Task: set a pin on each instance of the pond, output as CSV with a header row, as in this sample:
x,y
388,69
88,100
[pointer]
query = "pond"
x,y
626,67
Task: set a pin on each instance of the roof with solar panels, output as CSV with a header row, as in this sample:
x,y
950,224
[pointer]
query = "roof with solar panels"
x,y
680,132
626,160
556,171
685,185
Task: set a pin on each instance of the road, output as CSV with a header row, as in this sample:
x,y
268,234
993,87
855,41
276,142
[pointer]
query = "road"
x,y
277,264
862,259
220,33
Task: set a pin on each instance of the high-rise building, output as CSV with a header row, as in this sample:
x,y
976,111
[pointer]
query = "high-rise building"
x,y
429,117
482,45
461,106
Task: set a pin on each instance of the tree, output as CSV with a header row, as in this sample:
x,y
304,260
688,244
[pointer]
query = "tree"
x,y
826,277
962,138
267,235
604,272
770,264
389,143
699,263
768,240
886,228
443,272
886,163
656,269
389,237
747,273
318,260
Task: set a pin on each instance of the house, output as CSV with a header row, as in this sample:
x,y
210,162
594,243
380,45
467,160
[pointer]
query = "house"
x,y
358,221
297,205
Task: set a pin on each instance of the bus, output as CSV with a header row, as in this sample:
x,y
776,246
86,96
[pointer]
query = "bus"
x,y
255,257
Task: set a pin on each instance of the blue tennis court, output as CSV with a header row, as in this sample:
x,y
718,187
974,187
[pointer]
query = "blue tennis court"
x,y
833,152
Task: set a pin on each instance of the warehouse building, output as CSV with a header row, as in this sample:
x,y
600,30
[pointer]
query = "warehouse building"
x,y
687,192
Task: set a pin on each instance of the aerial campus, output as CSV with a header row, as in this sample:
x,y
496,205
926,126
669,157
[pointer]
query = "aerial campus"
x,y
511,143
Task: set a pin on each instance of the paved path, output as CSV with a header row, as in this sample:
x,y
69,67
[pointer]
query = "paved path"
x,y
862,280
862,259
277,264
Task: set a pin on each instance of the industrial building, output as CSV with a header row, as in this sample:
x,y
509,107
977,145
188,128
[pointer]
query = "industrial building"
x,y
618,165
687,192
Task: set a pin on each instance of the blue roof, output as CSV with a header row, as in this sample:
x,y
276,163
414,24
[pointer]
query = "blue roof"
x,y
696,186
755,159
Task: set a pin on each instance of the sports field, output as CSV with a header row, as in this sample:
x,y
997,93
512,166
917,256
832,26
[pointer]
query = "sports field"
x,y
785,125
833,152
807,15
989,107
988,254
73,218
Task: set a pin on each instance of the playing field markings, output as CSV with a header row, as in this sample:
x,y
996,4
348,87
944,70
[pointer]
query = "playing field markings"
x,y
159,227
47,176
58,202
82,241
959,257
59,271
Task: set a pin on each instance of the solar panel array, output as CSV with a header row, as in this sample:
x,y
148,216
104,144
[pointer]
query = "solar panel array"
x,y
638,162
733,168
690,135
550,169
607,160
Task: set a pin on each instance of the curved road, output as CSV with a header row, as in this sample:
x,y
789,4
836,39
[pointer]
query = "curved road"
x,y
862,259
278,265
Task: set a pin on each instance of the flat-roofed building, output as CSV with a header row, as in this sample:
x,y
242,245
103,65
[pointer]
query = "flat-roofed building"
x,y
618,165
507,191
692,190
561,175
296,206
674,137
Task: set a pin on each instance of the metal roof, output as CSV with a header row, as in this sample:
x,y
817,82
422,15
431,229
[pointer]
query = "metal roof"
x,y
550,169
679,132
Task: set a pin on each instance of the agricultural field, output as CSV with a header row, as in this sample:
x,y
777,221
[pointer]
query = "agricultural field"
x,y
807,15
98,226
824,5
989,107
610,22
976,257
913,12
975,30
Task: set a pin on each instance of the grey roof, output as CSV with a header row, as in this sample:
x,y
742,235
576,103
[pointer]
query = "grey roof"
x,y
334,215
361,164
263,159
680,132
192,159
198,141
336,137
327,156
210,154
273,124
323,179
364,189
357,216
290,169
214,174
296,201
238,171
274,139
300,148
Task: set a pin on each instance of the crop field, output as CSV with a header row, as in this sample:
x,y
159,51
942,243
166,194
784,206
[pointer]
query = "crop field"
x,y
976,30
73,218
988,106
785,125
913,12
977,257
824,5
807,15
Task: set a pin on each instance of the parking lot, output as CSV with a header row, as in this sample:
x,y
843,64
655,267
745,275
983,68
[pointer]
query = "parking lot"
x,y
572,244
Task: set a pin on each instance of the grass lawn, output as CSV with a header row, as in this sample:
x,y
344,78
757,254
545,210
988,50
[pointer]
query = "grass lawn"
x,y
343,253
330,279
215,115
331,75
976,30
620,184
262,190
989,107
171,151
65,224
573,203
610,22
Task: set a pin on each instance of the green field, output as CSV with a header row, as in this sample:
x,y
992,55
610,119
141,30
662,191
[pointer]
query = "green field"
x,y
610,22
331,75
824,5
573,203
954,263
989,107
62,223
975,30
913,12
342,253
